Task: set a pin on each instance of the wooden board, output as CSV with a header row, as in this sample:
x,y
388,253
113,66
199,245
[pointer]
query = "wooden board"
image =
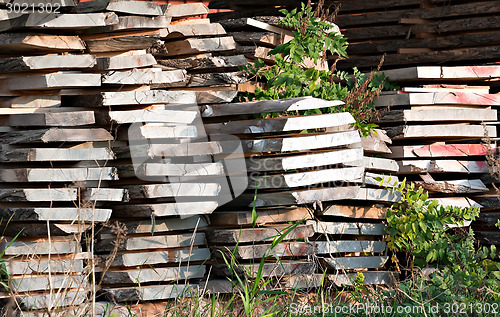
x,y
294,123
288,249
30,102
143,77
265,106
347,228
173,256
371,278
41,283
53,81
121,98
195,46
57,21
154,131
438,150
153,242
61,119
369,212
42,265
60,154
27,43
454,186
175,150
380,164
46,62
148,293
261,234
145,275
264,216
166,209
148,115
119,62
57,135
191,30
38,194
39,301
179,170
160,225
438,98
55,214
355,262
456,131
442,166
339,246
174,190
185,10
39,248
104,194
441,114
444,73
120,43
131,23
205,63
284,268
121,6
58,174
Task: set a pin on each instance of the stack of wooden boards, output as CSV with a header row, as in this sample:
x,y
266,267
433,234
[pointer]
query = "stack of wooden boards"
x,y
72,86
298,166
436,123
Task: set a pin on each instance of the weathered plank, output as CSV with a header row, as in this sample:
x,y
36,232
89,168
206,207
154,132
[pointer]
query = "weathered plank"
x,y
293,123
120,43
454,186
444,72
145,275
143,77
195,46
438,150
375,143
53,81
206,63
39,248
260,38
438,98
457,131
148,115
355,262
160,225
377,195
104,194
380,164
269,269
63,298
58,174
174,190
119,98
216,95
26,43
261,234
299,179
442,114
47,62
339,246
264,216
154,131
56,135
148,293
121,6
191,30
57,21
174,150
41,283
301,143
185,10
130,23
62,119
39,265
125,62
38,194
369,212
287,249
55,213
442,166
55,3
153,242
159,257
265,106
371,278
347,228
60,154
31,102
177,170
166,209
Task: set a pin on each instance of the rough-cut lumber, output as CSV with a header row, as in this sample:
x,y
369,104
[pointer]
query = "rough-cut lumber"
x,y
125,62
61,119
191,30
160,257
173,150
121,6
377,195
266,216
257,251
41,283
31,102
444,72
281,124
143,77
150,115
438,98
216,95
454,186
56,135
448,88
105,194
60,154
369,212
153,131
442,166
206,63
260,38
438,150
281,269
380,164
329,247
180,170
375,143
356,262
345,156
55,214
62,298
166,209
458,131
39,248
262,234
53,81
370,278
145,275
195,46
301,143
62,3
299,179
212,79
245,23
185,10
264,106
153,242
347,228
160,225
58,174
38,265
148,293
387,181
256,52
53,21
120,43
38,194
145,97
130,23
26,43
174,190
428,114
30,63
